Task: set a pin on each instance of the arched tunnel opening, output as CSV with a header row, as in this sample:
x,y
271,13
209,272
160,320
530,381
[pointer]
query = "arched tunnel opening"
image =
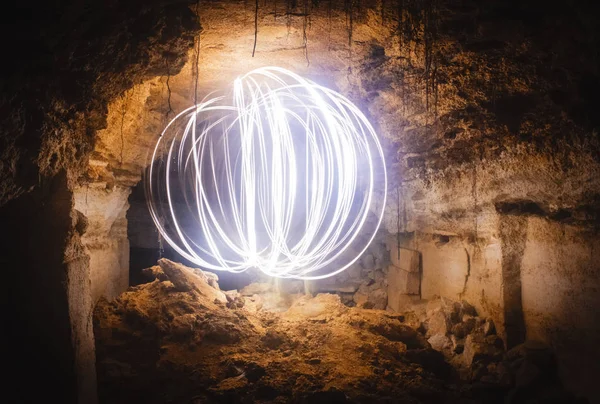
x,y
478,281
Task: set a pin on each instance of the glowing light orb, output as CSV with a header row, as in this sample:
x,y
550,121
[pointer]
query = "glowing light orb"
x,y
278,174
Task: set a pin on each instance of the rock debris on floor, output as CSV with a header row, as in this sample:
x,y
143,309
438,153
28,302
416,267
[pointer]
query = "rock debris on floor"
x,y
179,339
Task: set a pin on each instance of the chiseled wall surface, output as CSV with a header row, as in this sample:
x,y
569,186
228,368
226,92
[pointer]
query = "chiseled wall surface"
x,y
445,266
105,240
560,274
515,236
557,287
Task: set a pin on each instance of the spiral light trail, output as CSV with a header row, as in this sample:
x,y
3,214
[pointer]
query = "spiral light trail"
x,y
278,175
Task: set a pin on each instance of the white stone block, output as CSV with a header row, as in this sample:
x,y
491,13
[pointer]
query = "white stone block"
x,y
408,260
402,282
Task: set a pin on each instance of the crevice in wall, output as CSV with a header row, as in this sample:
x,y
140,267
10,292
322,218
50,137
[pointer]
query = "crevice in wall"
x,y
520,207
468,274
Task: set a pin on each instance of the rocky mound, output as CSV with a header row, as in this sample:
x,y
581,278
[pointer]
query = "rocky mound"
x,y
179,339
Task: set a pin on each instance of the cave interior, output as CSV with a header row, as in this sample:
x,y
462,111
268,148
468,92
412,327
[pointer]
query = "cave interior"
x,y
481,284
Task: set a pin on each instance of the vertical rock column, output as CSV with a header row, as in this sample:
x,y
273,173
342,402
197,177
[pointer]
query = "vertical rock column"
x,y
513,236
105,240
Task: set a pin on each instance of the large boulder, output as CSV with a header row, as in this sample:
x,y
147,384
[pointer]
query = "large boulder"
x,y
192,279
439,324
439,342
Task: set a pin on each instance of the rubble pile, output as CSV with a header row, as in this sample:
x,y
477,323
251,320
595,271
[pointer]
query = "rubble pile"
x,y
180,339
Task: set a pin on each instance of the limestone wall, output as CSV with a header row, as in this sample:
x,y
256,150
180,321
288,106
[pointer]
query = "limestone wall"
x,y
488,133
105,240
560,278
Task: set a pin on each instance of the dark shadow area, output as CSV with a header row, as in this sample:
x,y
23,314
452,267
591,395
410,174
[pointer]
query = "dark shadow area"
x,y
513,235
35,233
146,246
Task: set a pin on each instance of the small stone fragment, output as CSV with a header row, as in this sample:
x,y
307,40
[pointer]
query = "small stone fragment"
x,y
458,345
477,349
467,309
438,324
439,342
360,298
154,272
234,299
378,299
489,328
460,330
256,288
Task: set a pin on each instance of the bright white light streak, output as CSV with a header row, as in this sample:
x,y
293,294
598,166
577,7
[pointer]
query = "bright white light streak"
x,y
280,176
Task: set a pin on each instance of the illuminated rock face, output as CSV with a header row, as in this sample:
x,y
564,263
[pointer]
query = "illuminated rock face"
x,y
494,168
105,239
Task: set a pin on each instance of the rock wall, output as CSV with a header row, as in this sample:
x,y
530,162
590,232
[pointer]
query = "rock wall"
x,y
69,61
498,236
560,279
105,240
